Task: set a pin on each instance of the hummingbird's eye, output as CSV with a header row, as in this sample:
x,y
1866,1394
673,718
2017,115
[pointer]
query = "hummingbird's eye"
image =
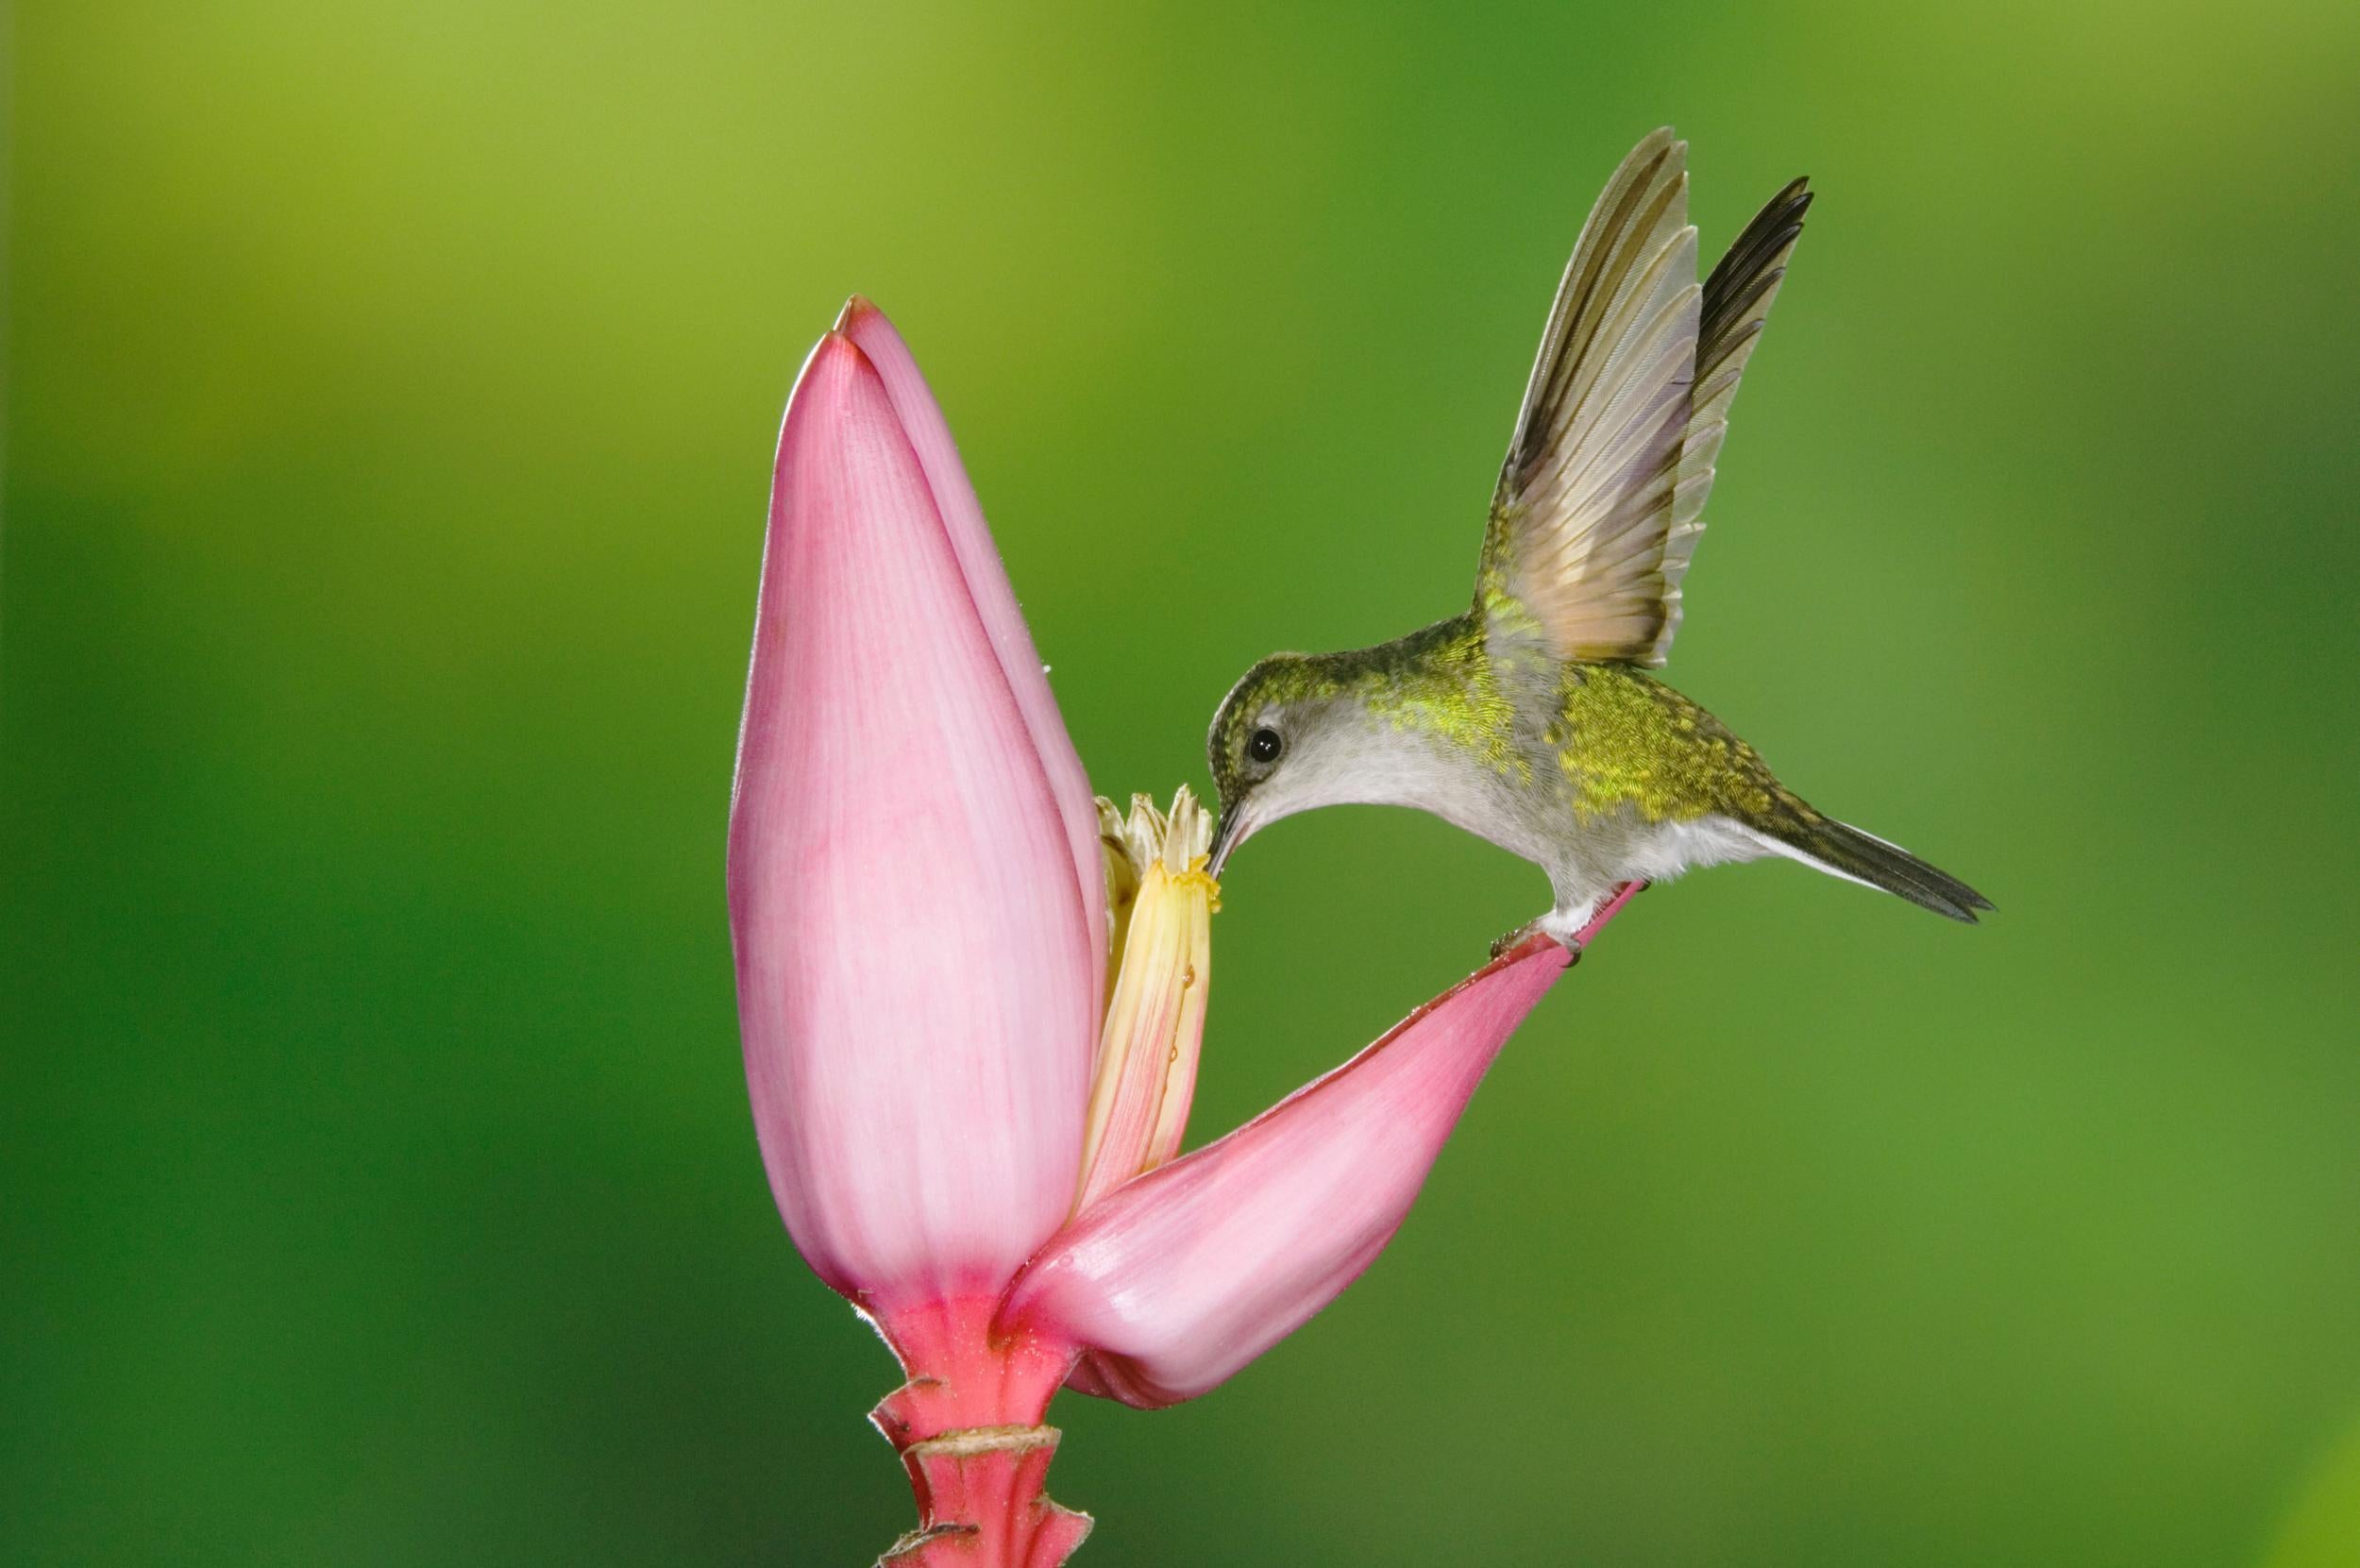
x,y
1262,745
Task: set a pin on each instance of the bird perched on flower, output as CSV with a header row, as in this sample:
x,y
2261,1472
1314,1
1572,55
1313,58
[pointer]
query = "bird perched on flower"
x,y
1530,720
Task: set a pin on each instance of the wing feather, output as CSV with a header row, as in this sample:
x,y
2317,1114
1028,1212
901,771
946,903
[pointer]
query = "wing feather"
x,y
1736,304
1585,497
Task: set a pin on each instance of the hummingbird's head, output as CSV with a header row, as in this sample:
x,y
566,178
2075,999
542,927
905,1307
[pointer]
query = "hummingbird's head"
x,y
1284,741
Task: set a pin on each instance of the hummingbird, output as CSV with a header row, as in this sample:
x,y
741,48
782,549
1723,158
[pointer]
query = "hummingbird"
x,y
1530,720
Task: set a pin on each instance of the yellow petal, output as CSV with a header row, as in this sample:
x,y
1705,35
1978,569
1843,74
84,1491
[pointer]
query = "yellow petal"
x,y
1155,1023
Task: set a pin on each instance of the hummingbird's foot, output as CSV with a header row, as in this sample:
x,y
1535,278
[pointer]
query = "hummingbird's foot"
x,y
1503,946
1573,929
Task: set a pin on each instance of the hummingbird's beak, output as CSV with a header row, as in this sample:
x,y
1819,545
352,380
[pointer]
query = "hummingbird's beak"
x,y
1225,837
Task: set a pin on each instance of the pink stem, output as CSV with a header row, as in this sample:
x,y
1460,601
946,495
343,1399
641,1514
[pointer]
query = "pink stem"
x,y
968,1426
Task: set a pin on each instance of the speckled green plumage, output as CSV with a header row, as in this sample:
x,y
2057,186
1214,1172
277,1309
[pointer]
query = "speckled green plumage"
x,y
1607,738
1594,770
1440,682
1626,741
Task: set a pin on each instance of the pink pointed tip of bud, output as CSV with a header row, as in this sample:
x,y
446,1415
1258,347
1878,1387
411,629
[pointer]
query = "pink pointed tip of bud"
x,y
916,966
855,307
1181,1277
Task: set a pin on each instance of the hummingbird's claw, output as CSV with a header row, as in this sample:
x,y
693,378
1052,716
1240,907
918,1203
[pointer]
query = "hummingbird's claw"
x,y
1503,946
1564,932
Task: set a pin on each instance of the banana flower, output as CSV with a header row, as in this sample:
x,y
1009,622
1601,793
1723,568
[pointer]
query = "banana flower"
x,y
971,998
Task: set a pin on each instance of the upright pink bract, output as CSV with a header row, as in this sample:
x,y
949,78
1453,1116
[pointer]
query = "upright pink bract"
x,y
920,916
915,970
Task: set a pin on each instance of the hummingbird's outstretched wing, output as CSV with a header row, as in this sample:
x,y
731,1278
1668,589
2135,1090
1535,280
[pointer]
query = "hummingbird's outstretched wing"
x,y
1736,303
1586,498
1584,537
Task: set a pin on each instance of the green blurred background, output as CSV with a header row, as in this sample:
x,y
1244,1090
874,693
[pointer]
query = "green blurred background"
x,y
391,391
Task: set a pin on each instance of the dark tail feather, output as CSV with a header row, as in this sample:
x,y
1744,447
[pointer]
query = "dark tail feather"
x,y
1848,852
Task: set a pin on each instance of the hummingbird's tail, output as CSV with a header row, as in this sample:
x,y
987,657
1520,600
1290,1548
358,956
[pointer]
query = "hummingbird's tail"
x,y
1845,851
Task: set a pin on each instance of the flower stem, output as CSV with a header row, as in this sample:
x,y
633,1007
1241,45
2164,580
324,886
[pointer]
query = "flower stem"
x,y
980,1504
968,1426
